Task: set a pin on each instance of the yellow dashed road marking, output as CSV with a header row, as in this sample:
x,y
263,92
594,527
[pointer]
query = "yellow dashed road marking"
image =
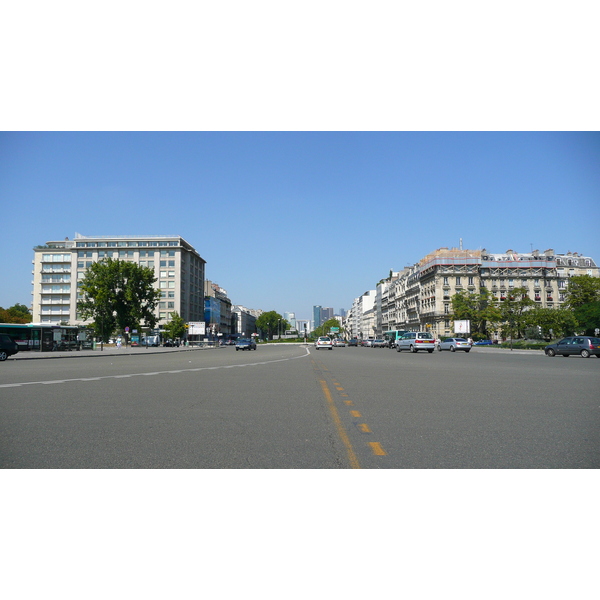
x,y
339,426
377,449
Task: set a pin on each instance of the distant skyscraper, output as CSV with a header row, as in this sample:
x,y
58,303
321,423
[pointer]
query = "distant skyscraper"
x,y
326,314
343,313
317,315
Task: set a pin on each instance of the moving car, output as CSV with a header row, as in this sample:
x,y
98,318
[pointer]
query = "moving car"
x,y
324,342
483,343
244,344
415,341
583,345
340,343
454,344
8,346
379,343
353,342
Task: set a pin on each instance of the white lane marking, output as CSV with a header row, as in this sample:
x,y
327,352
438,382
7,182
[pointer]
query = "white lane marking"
x,y
267,362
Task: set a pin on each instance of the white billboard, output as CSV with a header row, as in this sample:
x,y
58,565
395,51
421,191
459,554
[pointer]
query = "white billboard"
x,y
462,326
197,328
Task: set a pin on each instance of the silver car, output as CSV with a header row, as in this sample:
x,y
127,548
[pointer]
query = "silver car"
x,y
454,344
415,341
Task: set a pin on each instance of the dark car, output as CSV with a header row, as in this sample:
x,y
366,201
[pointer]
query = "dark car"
x,y
8,347
583,345
245,345
353,342
483,343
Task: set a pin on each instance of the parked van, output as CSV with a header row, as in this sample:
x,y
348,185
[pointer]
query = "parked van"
x,y
415,341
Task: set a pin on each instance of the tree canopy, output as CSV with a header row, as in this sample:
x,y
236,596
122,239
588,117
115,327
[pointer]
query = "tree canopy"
x,y
582,289
480,309
118,294
175,328
18,313
325,327
271,322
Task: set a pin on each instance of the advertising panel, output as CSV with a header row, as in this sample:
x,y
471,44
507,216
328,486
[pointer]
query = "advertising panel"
x,y
197,328
462,326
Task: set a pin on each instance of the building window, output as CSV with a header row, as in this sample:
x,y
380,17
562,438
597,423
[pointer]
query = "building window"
x,y
446,309
458,281
471,280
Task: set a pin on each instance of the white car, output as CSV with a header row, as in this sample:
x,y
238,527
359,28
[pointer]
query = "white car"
x,y
415,341
338,342
324,342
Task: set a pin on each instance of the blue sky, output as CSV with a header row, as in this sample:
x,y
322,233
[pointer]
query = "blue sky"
x,y
286,220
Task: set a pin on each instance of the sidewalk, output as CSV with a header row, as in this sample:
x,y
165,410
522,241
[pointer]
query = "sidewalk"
x,y
106,351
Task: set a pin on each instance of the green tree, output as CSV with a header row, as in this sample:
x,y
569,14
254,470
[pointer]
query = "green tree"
x,y
582,289
118,294
18,313
588,317
553,322
583,297
325,327
270,323
175,328
512,312
480,309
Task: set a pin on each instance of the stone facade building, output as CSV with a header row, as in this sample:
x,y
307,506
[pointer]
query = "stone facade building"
x,y
419,298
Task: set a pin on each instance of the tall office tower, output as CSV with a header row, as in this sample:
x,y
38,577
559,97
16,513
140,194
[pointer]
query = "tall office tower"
x,y
317,316
326,314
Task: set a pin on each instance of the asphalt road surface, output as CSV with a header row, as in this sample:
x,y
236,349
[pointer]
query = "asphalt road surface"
x,y
293,407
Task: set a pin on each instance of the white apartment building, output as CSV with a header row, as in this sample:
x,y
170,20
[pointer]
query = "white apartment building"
x,y
360,320
58,267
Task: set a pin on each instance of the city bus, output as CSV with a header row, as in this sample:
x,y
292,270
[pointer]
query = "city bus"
x,y
393,336
44,337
